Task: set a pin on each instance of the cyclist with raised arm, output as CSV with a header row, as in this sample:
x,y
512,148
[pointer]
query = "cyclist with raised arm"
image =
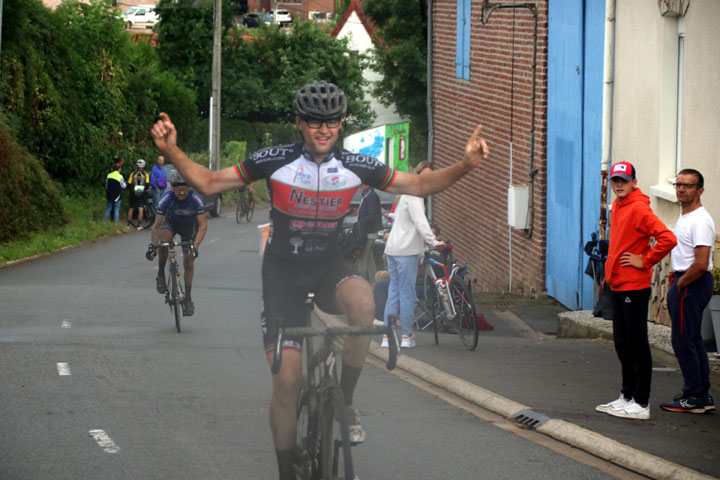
x,y
311,184
181,211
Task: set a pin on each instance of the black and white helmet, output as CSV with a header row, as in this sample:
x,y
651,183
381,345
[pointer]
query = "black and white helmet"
x,y
320,101
177,179
141,163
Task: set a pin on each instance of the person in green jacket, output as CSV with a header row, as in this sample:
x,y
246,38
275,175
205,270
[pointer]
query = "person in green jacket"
x,y
114,185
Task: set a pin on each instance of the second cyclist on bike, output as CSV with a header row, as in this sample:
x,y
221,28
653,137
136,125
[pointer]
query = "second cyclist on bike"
x,y
181,211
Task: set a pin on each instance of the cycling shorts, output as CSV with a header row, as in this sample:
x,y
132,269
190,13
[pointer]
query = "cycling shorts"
x,y
186,231
286,285
137,201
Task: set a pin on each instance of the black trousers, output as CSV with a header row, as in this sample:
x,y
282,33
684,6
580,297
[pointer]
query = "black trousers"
x,y
630,315
686,310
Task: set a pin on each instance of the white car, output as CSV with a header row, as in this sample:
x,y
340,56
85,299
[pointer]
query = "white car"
x,y
283,16
140,16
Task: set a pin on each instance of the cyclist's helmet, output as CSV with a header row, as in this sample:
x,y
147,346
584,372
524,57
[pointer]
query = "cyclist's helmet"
x,y
320,101
177,179
141,163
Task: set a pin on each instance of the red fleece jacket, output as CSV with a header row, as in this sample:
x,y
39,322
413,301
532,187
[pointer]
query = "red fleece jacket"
x,y
632,225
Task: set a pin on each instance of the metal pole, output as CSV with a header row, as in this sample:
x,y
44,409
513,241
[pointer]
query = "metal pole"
x,y
216,70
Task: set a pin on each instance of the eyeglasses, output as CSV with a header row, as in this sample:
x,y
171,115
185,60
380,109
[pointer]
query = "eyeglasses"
x,y
684,185
315,124
181,188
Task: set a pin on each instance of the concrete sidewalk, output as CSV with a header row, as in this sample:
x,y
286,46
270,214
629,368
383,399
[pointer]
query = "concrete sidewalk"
x,y
524,371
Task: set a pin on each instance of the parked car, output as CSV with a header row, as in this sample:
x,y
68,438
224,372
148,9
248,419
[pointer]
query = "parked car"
x,y
140,16
255,19
213,203
283,16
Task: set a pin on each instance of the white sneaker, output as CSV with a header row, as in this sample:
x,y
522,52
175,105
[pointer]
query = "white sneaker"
x,y
384,343
632,410
357,434
606,407
408,341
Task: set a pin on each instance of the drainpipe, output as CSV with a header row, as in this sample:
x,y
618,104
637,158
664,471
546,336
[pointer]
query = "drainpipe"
x,y
487,10
429,97
608,81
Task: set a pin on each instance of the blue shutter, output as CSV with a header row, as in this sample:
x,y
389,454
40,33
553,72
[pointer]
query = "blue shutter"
x,y
462,41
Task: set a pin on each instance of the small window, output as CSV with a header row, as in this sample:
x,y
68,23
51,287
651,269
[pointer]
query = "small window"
x,y
462,44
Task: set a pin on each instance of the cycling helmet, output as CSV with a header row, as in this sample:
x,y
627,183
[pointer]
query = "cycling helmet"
x,y
177,179
320,101
141,163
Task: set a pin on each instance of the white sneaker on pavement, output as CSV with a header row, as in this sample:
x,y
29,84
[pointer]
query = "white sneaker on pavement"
x,y
632,410
606,407
384,343
408,341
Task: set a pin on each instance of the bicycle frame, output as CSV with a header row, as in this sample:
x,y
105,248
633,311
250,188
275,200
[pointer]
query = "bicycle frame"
x,y
174,293
442,284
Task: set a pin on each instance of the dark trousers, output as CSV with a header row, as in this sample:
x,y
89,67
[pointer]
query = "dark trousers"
x,y
630,315
686,310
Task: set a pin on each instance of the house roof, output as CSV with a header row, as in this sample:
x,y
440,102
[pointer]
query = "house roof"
x,y
366,22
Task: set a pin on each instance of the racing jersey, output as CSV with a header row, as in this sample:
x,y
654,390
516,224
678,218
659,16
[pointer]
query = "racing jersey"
x,y
309,200
183,212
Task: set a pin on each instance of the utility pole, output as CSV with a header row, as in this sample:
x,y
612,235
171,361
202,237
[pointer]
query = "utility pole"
x,y
215,98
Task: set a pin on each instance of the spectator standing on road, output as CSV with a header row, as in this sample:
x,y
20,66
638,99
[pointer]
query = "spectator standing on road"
x,y
158,179
691,288
628,272
139,182
408,237
369,222
114,185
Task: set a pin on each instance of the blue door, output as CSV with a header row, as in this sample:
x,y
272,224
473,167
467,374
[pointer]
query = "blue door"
x,y
575,64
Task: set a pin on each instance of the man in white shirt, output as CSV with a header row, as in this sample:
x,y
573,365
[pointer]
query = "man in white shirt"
x,y
689,293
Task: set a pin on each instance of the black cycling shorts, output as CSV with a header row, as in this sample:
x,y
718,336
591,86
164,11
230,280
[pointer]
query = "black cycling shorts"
x,y
186,231
286,284
137,201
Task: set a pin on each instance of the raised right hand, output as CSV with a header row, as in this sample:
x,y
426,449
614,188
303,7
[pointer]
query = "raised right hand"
x,y
164,133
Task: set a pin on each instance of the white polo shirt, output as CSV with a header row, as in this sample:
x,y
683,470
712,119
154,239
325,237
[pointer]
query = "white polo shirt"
x,y
694,229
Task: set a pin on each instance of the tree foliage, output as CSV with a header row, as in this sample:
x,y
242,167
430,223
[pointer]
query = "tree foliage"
x,y
77,91
402,60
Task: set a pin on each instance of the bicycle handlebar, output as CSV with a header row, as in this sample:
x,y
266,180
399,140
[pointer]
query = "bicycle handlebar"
x,y
391,330
172,244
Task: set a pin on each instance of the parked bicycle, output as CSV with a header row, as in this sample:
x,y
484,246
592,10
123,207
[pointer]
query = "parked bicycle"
x,y
175,291
245,206
323,440
448,296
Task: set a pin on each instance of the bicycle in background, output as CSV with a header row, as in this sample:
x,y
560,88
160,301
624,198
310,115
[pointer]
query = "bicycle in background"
x,y
448,296
245,206
175,291
323,440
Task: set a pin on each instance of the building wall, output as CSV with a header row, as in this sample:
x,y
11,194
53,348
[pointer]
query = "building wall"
x,y
645,99
473,213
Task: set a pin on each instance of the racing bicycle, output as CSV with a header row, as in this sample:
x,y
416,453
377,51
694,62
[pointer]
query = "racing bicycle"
x,y
175,291
323,447
448,296
245,206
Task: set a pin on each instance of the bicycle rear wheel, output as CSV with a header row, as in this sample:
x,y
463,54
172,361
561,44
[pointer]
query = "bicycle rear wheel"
x,y
429,303
240,210
466,318
335,448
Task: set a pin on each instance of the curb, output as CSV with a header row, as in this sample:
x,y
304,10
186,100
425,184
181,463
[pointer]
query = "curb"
x,y
561,430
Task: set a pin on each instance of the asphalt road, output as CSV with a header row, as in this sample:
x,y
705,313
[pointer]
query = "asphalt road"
x,y
96,382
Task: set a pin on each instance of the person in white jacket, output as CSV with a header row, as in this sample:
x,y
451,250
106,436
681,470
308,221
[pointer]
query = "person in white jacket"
x,y
406,243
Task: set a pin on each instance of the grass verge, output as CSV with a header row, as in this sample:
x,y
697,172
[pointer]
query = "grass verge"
x,y
85,222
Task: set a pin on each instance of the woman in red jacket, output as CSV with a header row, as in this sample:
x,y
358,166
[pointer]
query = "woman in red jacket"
x,y
628,272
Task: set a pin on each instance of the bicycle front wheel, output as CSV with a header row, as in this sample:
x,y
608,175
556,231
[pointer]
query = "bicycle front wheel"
x,y
175,298
430,293
335,453
240,210
250,209
466,318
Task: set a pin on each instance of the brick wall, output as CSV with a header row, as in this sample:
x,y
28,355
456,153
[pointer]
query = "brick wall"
x,y
473,213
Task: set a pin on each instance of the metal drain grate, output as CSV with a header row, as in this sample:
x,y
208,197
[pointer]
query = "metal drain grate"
x,y
530,419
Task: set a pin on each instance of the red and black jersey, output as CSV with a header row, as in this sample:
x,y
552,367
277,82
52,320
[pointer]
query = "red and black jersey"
x,y
309,200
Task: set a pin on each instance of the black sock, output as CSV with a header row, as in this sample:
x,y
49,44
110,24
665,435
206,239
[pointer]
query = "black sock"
x,y
285,464
188,289
349,379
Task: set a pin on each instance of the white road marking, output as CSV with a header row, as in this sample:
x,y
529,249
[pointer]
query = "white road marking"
x,y
66,324
213,240
63,369
104,441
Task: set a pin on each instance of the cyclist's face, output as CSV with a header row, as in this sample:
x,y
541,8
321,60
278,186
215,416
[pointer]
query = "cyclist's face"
x,y
181,191
318,141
